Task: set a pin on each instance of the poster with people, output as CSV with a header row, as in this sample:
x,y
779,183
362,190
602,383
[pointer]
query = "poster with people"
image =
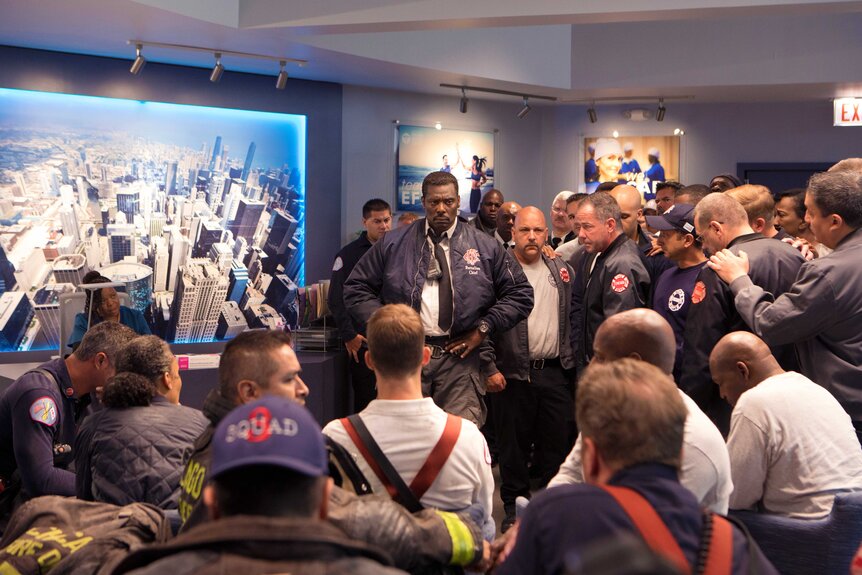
x,y
467,155
639,160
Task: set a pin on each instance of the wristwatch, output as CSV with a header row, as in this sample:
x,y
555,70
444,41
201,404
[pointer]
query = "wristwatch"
x,y
484,327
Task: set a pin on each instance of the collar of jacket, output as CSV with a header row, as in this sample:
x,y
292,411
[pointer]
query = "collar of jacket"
x,y
745,238
216,406
621,239
853,237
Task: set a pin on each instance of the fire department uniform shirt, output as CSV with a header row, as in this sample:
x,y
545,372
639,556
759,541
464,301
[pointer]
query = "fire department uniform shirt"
x,y
36,416
407,431
672,299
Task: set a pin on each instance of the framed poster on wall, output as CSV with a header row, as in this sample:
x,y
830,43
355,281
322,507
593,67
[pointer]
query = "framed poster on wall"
x,y
468,155
641,161
187,207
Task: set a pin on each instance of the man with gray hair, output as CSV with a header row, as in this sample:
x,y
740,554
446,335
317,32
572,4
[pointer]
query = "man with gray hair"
x,y
722,223
821,312
612,278
561,230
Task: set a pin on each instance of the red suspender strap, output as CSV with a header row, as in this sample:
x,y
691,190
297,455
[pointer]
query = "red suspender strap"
x,y
720,558
649,524
372,463
437,458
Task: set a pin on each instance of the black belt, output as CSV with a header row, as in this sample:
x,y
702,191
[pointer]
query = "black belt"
x,y
437,344
543,363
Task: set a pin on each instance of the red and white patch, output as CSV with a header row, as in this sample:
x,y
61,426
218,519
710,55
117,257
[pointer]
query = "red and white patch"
x,y
471,256
699,292
44,410
620,283
564,275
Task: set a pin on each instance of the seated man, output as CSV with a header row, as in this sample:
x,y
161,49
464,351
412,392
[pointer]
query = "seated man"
x,y
632,418
134,450
792,446
261,363
40,411
268,500
643,334
407,427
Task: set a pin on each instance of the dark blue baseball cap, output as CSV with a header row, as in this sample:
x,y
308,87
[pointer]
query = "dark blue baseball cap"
x,y
270,431
679,217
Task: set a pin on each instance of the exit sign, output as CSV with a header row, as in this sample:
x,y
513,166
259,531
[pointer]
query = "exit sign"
x,y
848,112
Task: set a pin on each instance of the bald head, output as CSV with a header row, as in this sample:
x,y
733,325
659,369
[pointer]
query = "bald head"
x,y
739,361
638,333
531,213
529,233
629,200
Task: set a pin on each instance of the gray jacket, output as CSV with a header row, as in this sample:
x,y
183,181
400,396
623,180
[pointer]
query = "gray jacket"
x,y
509,353
822,315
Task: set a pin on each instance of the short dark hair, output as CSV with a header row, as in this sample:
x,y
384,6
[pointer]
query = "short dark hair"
x,y
668,184
147,355
108,337
127,389
267,490
439,179
375,205
396,340
576,198
839,193
606,187
798,196
716,186
695,192
245,357
605,207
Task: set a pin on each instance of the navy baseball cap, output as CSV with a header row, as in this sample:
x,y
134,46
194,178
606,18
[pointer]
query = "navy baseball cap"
x,y
270,431
679,217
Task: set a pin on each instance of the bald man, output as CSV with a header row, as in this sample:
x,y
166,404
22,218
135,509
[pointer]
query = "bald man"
x,y
643,334
721,222
792,446
486,219
531,369
631,211
505,222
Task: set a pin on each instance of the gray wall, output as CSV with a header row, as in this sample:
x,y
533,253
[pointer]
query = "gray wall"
x,y
319,101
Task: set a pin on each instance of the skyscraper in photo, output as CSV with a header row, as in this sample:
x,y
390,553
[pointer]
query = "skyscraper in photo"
x,y
216,153
248,215
201,291
70,269
16,312
121,241
249,158
128,202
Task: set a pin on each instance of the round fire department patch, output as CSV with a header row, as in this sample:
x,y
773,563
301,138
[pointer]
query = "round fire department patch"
x,y
564,275
620,283
699,292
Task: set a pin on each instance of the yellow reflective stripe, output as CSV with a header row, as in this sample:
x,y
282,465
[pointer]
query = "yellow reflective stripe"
x,y
7,569
463,546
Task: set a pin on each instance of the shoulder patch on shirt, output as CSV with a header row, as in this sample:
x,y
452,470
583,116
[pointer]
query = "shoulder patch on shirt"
x,y
337,265
620,283
44,410
676,300
471,256
698,293
564,275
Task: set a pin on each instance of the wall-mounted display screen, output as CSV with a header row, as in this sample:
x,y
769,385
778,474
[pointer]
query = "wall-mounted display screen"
x,y
639,160
469,156
198,214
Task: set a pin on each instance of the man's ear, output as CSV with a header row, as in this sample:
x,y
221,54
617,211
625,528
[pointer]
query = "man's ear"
x,y
324,502
100,360
590,460
211,502
426,355
635,355
836,222
369,361
743,370
247,391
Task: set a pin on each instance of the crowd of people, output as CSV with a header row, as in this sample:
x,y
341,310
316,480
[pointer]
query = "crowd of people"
x,y
636,372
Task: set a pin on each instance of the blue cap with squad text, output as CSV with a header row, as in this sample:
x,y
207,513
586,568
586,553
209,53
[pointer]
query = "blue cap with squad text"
x,y
270,431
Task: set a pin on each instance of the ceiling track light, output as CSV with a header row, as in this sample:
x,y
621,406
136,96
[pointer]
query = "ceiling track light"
x,y
659,117
139,62
525,110
218,69
281,81
592,113
462,107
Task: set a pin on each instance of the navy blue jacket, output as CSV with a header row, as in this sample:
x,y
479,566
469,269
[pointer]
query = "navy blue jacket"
x,y
568,518
509,353
341,268
487,281
38,413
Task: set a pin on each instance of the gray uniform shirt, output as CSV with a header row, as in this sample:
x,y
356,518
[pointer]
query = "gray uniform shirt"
x,y
822,315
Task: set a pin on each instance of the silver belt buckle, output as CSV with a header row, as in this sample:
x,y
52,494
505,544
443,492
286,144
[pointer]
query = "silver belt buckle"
x,y
538,364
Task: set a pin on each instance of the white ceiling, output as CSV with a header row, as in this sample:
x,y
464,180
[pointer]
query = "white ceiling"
x,y
711,50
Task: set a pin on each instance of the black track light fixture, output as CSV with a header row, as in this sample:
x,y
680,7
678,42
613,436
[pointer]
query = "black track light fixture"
x,y
592,113
659,116
462,107
526,109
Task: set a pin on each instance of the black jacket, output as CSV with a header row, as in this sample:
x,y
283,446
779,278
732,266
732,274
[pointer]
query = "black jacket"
x,y
619,282
774,266
341,268
136,454
510,350
487,282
